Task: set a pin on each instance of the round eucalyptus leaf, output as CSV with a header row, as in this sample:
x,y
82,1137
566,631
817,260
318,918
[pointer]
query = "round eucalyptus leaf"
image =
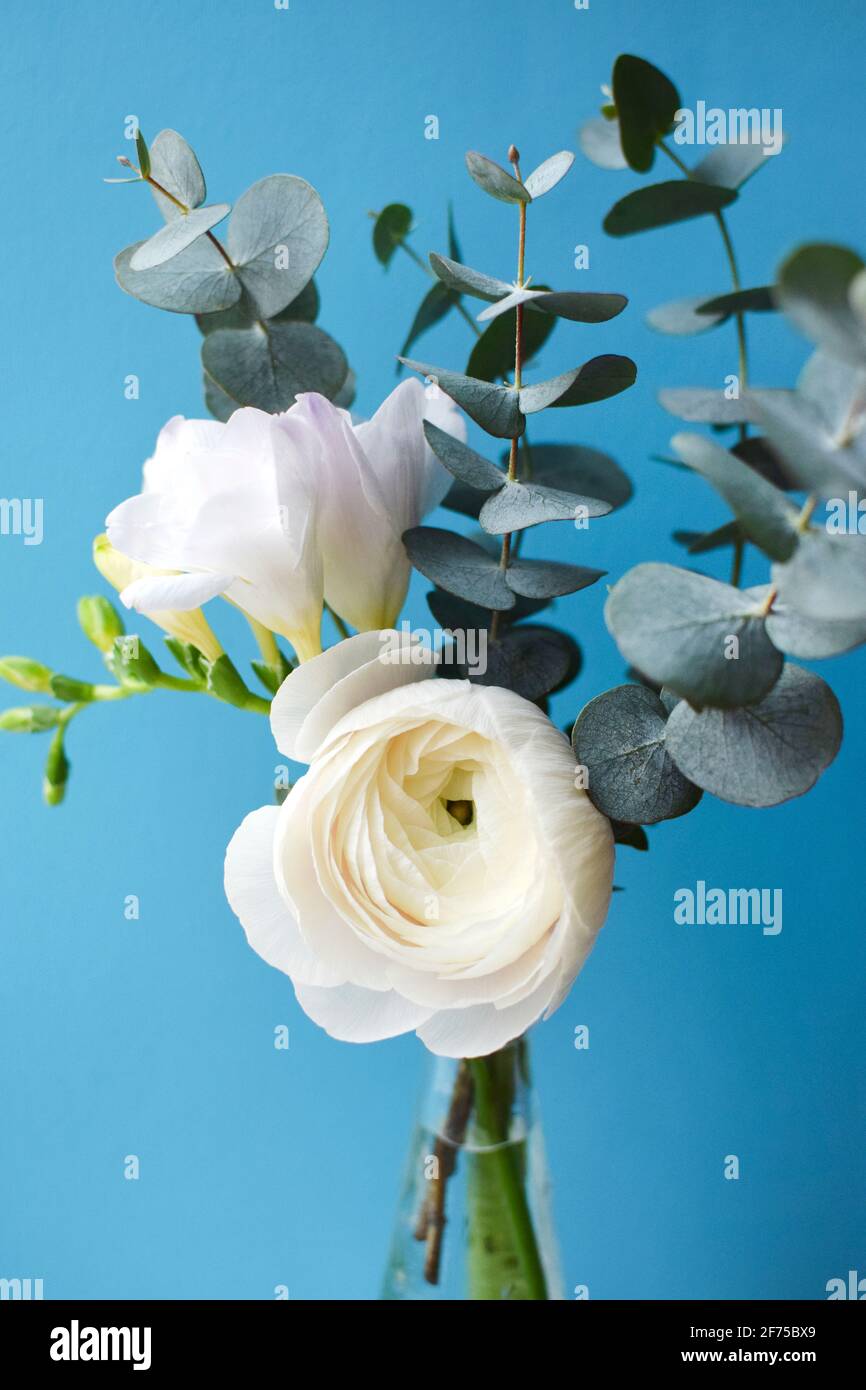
x,y
632,835
619,738
459,566
681,317
495,180
701,405
567,304
819,428
174,165
461,461
176,235
198,281
518,505
494,408
814,288
221,406
464,499
465,280
704,640
596,380
662,204
244,314
766,753
460,615
758,301
765,515
278,234
548,174
345,397
531,660
391,227
549,578
646,102
729,166
268,366
600,141
577,468
810,639
826,577
760,455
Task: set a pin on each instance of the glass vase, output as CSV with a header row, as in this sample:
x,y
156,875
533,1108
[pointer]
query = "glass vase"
x,y
475,1218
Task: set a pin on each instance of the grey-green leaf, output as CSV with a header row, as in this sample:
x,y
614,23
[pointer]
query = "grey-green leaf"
x,y
661,204
277,236
766,753
465,280
433,307
596,380
808,638
548,174
268,367
681,317
174,165
819,428
576,468
459,566
143,154
765,514
814,290
198,281
461,461
646,102
494,408
221,406
495,180
600,141
565,304
244,314
390,229
728,166
549,578
760,300
701,405
677,628
492,357
619,738
518,505
176,235
826,577
531,660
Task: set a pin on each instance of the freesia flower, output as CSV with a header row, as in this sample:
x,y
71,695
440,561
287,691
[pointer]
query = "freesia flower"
x,y
234,507
190,627
436,869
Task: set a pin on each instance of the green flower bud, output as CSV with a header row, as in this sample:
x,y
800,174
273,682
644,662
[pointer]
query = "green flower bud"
x,y
72,691
26,673
225,681
56,770
100,621
132,663
29,719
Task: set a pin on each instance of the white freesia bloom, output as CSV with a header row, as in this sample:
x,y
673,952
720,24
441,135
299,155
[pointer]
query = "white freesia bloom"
x,y
235,507
275,511
390,907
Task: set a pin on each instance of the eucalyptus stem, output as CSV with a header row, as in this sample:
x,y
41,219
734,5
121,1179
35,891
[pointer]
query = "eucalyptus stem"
x,y
160,188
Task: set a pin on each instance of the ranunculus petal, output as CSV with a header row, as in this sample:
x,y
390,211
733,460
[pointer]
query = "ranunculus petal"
x,y
179,592
251,888
481,1028
320,692
352,1014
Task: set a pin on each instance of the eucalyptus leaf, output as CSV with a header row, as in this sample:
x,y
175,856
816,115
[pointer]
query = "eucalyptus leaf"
x,y
459,566
465,280
681,316
460,615
198,281
600,141
268,366
548,174
549,578
531,660
662,204
814,290
494,408
766,753
495,180
278,234
701,405
221,406
567,304
176,235
433,307
492,357
143,154
702,542
759,454
646,102
677,628
518,505
174,165
453,243
826,577
810,639
765,515
619,738
729,166
819,429
463,499
461,461
596,380
632,835
345,397
391,227
577,468
757,301
244,314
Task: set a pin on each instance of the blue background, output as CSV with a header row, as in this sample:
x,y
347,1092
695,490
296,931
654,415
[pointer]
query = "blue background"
x,y
155,1037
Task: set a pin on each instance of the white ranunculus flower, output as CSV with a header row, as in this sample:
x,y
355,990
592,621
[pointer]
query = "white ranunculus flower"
x,y
273,511
436,868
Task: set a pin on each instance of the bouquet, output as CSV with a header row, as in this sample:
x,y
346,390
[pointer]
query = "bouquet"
x,y
445,861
